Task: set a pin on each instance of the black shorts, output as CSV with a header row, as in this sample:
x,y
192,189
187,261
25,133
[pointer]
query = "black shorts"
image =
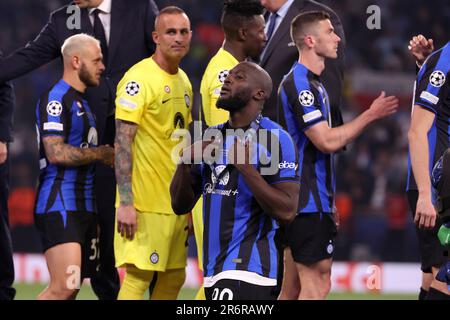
x,y
227,289
311,237
81,227
431,250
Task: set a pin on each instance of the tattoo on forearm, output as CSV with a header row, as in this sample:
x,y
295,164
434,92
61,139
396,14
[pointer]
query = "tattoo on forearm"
x,y
64,154
125,133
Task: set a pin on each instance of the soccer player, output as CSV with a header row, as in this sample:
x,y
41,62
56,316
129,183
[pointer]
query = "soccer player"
x,y
243,26
65,210
241,203
428,138
154,98
305,102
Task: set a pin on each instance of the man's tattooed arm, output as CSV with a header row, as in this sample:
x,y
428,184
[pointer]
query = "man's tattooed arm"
x,y
125,133
63,154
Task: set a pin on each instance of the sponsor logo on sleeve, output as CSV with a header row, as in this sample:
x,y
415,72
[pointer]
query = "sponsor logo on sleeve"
x,y
127,103
312,116
287,165
425,95
53,126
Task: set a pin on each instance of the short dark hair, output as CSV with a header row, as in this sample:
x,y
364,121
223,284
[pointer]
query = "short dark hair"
x,y
236,12
301,22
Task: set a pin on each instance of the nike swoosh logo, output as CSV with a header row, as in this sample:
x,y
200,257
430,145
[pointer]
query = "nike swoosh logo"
x,y
79,113
164,101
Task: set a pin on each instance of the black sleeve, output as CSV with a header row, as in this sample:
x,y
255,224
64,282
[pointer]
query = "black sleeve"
x,y
431,86
152,12
36,53
6,112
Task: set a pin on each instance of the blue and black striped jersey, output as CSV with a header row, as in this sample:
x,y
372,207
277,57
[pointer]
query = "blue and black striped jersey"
x,y
305,103
238,238
432,92
63,111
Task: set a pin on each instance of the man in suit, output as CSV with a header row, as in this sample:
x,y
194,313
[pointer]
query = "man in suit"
x,y
7,292
280,54
125,33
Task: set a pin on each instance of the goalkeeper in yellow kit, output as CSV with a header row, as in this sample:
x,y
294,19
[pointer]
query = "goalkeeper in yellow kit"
x,y
154,98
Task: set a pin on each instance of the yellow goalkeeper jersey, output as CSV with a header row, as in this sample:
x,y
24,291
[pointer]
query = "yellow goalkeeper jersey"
x,y
159,103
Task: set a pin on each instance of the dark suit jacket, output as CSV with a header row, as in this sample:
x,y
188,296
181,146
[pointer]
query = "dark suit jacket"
x,y
6,111
281,54
132,23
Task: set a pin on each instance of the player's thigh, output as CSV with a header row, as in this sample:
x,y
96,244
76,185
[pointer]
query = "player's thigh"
x,y
153,246
64,261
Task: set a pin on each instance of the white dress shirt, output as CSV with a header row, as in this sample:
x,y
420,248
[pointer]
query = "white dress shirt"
x,y
105,17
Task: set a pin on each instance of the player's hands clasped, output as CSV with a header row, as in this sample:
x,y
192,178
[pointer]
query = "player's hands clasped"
x,y
127,221
241,153
420,47
384,106
195,153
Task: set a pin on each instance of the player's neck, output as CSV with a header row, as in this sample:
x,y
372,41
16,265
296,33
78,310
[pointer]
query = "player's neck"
x,y
243,117
171,67
74,81
235,50
312,61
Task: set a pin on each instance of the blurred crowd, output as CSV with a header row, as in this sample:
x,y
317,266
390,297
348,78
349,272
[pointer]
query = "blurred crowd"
x,y
375,220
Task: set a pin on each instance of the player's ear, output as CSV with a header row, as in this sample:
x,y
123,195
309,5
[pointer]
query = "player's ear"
x,y
309,41
155,37
259,95
76,62
242,34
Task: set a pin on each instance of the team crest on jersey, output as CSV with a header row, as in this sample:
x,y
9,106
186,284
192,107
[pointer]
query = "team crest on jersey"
x,y
223,75
437,78
178,121
224,178
306,98
187,100
154,258
54,108
167,89
132,88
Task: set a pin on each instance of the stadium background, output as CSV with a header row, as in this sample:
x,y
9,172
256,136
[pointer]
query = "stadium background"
x,y
376,227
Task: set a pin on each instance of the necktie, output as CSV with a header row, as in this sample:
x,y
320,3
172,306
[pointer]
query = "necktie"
x,y
272,21
99,33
